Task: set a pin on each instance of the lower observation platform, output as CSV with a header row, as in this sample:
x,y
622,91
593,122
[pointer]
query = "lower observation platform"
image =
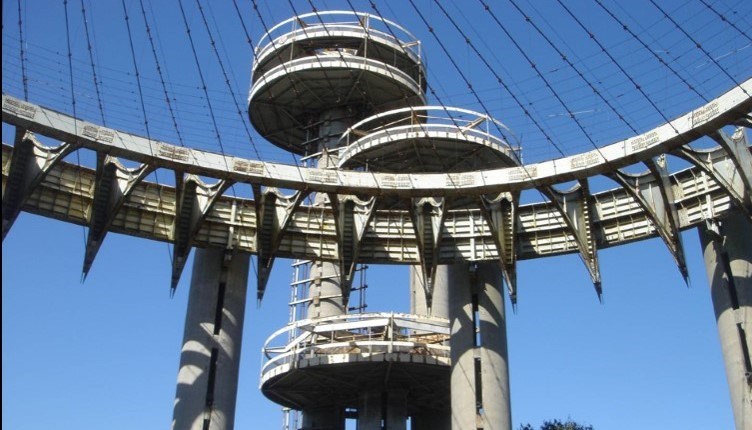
x,y
331,360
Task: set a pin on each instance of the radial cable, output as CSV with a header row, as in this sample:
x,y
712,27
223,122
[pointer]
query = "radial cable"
x,y
724,19
543,78
226,78
161,76
24,78
646,47
698,45
637,86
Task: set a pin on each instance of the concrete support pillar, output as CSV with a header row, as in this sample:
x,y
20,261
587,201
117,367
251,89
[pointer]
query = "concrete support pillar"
x,y
323,419
435,420
418,302
396,410
479,373
418,305
379,410
727,247
495,410
325,292
462,342
210,357
370,411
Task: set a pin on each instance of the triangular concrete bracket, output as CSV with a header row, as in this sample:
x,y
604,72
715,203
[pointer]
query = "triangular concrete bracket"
x,y
195,201
500,212
427,215
654,192
30,162
274,211
352,217
113,185
575,208
727,166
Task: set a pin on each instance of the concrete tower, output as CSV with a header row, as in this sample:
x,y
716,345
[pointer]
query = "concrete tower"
x,y
347,90
397,182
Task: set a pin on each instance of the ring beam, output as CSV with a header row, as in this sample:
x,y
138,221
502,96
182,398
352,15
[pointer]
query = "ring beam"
x,y
734,106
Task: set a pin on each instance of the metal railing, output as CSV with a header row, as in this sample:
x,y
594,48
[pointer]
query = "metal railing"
x,y
364,334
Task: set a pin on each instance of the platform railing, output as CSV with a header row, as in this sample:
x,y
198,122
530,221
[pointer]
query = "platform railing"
x,y
365,334
372,25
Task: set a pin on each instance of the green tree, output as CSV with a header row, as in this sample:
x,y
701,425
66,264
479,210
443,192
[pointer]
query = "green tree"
x,y
558,425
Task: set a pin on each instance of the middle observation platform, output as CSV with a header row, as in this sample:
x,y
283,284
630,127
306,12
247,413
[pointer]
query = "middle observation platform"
x,y
427,139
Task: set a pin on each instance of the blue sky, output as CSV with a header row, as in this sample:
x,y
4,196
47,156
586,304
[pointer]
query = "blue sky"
x,y
105,353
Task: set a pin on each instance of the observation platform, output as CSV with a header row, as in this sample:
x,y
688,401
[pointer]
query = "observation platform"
x,y
328,361
323,61
426,139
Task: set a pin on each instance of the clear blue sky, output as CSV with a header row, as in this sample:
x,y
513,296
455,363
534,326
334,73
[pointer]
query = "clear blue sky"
x,y
104,353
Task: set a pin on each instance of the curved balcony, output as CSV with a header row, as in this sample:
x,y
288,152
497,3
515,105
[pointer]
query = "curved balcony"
x,y
286,102
352,351
427,139
313,63
358,33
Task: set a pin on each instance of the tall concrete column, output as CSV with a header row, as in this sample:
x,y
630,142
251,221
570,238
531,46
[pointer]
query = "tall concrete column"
x,y
323,419
438,420
727,246
462,353
479,373
495,410
325,291
396,410
370,409
210,357
376,407
433,420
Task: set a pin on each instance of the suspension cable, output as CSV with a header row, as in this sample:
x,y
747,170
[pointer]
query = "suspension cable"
x,y
367,35
724,19
138,74
161,76
78,183
544,79
433,92
637,86
438,98
501,81
91,61
571,65
70,65
282,63
647,48
451,60
226,78
203,81
24,78
698,45
143,110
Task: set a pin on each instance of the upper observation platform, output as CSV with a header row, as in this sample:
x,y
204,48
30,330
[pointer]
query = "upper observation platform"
x,y
427,139
336,60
